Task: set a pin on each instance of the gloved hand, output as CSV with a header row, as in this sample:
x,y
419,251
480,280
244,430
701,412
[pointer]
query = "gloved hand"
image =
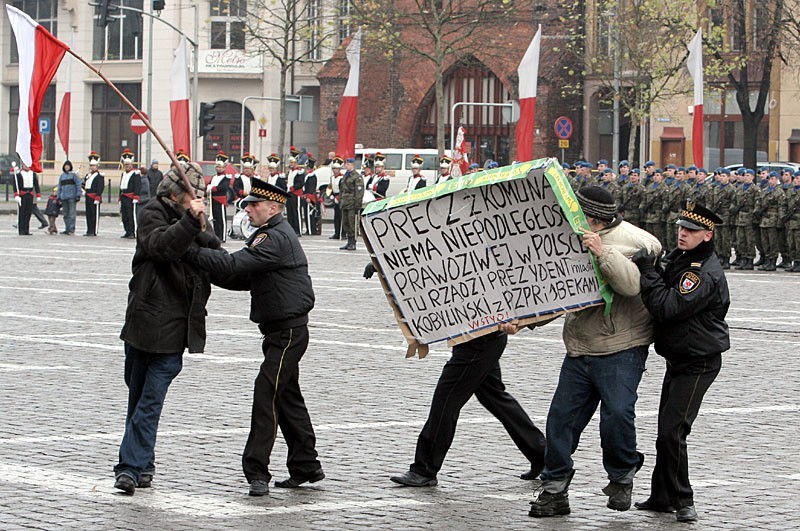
x,y
135,201
369,270
97,202
644,258
19,200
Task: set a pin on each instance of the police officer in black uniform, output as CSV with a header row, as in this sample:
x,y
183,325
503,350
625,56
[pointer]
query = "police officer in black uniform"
x,y
688,300
274,268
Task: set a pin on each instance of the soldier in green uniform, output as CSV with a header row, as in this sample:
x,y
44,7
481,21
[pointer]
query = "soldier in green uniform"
x,y
783,234
632,195
674,196
720,200
608,182
761,180
697,189
742,211
769,207
351,194
792,222
652,211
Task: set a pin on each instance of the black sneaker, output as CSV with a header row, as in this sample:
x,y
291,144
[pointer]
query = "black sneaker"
x,y
126,484
619,495
259,487
550,504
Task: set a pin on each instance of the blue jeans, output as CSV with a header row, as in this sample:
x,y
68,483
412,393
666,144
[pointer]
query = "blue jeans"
x,y
585,382
148,377
70,211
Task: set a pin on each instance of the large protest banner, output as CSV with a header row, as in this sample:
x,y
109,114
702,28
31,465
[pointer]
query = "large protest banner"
x,y
460,257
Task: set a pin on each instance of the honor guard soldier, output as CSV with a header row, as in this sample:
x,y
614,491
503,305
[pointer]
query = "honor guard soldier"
x,y
791,221
276,178
624,170
309,201
337,162
296,180
294,157
350,201
631,195
93,185
26,191
241,184
444,169
417,180
770,207
129,189
218,189
721,198
742,214
653,206
380,181
368,169
688,300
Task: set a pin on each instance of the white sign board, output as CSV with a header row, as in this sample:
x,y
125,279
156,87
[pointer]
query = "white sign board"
x,y
490,247
228,62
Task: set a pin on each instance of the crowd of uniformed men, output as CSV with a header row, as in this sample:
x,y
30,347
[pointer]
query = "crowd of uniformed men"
x,y
760,209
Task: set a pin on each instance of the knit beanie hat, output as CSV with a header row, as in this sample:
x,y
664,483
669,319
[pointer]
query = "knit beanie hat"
x,y
597,203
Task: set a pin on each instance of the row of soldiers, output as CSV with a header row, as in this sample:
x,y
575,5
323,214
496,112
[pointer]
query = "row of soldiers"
x,y
760,209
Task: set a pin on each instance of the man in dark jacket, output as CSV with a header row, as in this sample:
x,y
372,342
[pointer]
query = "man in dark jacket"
x,y
688,300
154,177
165,315
274,268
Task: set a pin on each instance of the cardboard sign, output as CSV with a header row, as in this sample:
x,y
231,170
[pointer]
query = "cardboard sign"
x,y
460,257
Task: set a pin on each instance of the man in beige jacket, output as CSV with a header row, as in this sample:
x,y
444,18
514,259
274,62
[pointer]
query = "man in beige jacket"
x,y
605,359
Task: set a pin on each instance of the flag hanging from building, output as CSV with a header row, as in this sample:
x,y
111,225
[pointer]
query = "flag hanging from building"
x,y
695,65
528,72
347,119
40,53
62,125
179,102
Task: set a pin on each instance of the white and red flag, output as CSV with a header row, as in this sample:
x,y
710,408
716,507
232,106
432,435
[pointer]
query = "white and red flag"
x,y
528,72
695,65
179,102
40,53
62,124
460,163
347,119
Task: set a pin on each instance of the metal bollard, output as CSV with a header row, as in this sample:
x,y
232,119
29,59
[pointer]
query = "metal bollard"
x,y
108,187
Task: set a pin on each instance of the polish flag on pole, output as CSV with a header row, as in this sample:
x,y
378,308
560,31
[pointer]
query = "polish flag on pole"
x,y
695,65
528,72
347,119
179,102
39,56
62,125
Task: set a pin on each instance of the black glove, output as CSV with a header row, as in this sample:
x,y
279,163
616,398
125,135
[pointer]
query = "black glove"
x,y
369,270
644,259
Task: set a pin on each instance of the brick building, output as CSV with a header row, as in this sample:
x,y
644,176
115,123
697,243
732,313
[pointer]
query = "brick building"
x,y
397,106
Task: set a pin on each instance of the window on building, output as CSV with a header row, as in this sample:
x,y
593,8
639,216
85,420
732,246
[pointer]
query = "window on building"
x,y
761,26
227,26
343,20
111,120
121,40
724,130
47,114
605,36
313,50
44,12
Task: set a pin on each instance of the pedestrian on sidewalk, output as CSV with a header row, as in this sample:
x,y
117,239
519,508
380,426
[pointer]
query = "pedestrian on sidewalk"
x,y
165,316
689,300
69,192
52,210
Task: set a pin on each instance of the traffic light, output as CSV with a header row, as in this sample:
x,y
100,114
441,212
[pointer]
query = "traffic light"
x,y
158,5
206,118
106,13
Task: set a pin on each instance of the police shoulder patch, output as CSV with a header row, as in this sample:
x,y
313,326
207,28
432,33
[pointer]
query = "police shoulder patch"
x,y
689,282
258,239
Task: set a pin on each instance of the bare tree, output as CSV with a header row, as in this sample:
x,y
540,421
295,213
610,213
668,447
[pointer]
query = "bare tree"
x,y
288,32
439,31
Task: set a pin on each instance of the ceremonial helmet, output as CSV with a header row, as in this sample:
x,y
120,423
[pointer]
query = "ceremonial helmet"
x,y
248,160
182,156
337,162
310,161
294,154
445,161
94,158
417,161
273,161
127,156
221,159
380,159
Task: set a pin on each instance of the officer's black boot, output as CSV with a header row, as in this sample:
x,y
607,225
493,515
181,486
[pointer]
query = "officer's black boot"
x,y
771,264
760,261
796,267
346,245
351,243
726,263
747,264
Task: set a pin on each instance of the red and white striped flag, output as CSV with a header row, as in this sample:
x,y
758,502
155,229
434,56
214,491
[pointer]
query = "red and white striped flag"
x,y
347,119
528,72
40,53
62,124
460,163
695,65
179,102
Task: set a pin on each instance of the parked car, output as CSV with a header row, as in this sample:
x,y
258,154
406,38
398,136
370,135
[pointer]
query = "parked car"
x,y
770,166
6,176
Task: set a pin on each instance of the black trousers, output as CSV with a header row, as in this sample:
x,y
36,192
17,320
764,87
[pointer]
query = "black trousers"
x,y
278,402
92,216
474,369
293,212
126,208
38,213
24,215
337,219
220,213
682,392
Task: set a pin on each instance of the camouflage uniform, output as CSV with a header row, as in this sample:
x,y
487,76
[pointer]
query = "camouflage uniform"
x,y
652,210
742,211
631,198
720,199
351,196
770,208
792,218
673,197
